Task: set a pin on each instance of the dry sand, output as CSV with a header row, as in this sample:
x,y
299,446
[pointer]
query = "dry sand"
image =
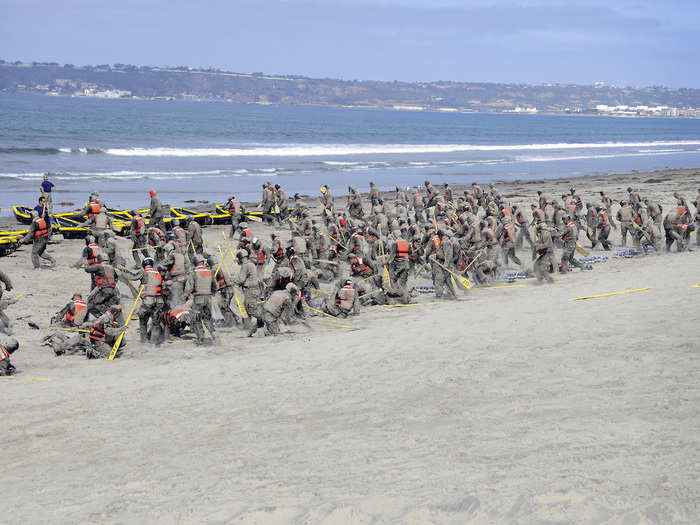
x,y
513,405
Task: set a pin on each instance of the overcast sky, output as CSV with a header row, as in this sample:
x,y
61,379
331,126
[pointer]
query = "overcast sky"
x,y
626,42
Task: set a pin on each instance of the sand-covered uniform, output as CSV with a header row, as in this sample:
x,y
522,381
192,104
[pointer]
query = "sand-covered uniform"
x,y
625,215
156,213
301,248
225,294
399,262
4,320
137,233
298,267
435,252
152,303
373,194
490,243
327,199
194,238
235,209
111,249
249,281
282,203
608,204
344,300
544,251
177,320
634,198
38,235
651,235
655,212
592,225
156,239
180,238
268,203
259,255
569,234
507,238
202,285
104,332
8,346
603,227
105,292
354,204
418,206
176,266
72,314
281,305
91,209
98,225
523,230
5,279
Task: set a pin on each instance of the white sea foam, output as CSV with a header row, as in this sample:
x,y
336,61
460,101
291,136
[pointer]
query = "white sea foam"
x,y
135,175
554,158
660,150
311,150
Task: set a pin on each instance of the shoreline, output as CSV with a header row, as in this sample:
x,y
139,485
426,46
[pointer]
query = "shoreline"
x,y
504,186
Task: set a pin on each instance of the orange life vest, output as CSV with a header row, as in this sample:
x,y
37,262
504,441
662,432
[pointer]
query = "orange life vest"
x,y
259,257
139,225
95,251
159,233
42,229
4,354
221,280
106,280
359,267
79,306
402,250
567,235
97,333
510,233
154,282
345,297
94,209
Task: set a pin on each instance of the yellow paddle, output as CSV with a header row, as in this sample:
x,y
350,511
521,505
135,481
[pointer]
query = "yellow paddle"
x,y
118,342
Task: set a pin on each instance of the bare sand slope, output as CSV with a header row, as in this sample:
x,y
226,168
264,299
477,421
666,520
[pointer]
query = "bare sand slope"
x,y
512,405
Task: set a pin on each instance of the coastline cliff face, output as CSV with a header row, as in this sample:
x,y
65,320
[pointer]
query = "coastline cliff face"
x,y
184,83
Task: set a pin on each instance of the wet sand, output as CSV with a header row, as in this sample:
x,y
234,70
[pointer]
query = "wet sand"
x,y
511,405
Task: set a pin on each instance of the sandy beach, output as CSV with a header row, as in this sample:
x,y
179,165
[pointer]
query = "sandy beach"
x,y
513,405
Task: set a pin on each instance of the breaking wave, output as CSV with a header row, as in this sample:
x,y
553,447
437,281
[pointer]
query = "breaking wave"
x,y
315,150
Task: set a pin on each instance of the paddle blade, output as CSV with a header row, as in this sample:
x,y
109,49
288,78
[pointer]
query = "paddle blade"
x,y
118,342
465,282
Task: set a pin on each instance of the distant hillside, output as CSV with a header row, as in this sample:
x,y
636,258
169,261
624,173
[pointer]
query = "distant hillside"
x,y
120,80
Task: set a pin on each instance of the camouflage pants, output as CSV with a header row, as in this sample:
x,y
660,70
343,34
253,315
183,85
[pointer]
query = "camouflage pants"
x,y
567,257
152,308
201,317
544,261
39,252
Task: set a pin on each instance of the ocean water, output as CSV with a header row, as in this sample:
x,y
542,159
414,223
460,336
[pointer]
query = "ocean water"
x,y
208,151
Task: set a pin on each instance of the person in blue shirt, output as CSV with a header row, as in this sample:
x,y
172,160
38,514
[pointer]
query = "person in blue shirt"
x,y
43,210
46,188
